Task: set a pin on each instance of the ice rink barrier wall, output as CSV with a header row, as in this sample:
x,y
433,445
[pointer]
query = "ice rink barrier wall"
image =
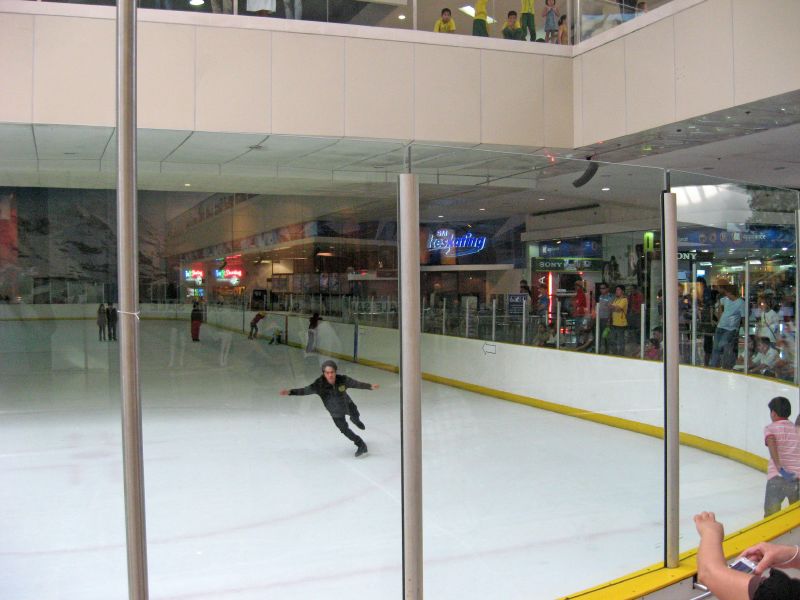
x,y
618,392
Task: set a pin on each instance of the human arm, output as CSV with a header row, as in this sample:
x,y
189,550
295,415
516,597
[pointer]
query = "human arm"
x,y
768,555
712,570
359,385
773,451
304,391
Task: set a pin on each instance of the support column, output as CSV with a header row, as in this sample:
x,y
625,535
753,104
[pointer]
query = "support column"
x,y
669,229
411,382
127,257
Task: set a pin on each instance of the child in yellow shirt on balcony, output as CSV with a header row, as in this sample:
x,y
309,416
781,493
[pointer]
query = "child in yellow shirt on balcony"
x,y
445,24
511,29
526,20
479,26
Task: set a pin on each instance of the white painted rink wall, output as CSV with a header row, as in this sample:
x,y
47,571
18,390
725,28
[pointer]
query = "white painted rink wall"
x,y
721,406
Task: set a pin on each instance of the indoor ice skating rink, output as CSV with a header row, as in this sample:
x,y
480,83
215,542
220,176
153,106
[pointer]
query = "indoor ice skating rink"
x,y
251,495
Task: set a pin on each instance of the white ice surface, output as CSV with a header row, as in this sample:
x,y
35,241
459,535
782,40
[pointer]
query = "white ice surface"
x,y
251,495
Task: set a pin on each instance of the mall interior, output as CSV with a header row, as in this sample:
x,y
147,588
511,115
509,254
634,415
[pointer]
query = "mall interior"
x,y
271,142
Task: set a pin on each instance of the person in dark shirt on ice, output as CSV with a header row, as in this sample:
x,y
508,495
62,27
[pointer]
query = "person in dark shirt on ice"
x,y
332,388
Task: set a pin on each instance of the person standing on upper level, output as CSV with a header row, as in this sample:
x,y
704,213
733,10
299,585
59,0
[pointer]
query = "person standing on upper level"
x,y
445,24
563,32
479,27
726,336
294,9
550,14
527,21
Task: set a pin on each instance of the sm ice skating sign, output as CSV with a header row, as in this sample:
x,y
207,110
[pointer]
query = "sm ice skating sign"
x,y
449,244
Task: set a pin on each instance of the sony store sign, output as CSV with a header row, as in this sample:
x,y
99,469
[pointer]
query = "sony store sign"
x,y
446,242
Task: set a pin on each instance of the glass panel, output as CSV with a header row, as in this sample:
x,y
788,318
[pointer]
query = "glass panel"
x,y
515,250
737,281
61,506
248,227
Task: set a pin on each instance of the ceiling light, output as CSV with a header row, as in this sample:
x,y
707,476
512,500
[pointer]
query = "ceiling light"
x,y
785,249
401,17
197,2
606,189
541,199
324,253
441,216
481,209
187,185
470,10
755,262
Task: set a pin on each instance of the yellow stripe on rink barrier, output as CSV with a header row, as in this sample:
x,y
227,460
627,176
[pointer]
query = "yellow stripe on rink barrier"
x,y
657,577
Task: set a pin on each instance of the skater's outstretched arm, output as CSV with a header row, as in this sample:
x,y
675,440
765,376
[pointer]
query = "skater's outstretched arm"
x,y
309,389
359,385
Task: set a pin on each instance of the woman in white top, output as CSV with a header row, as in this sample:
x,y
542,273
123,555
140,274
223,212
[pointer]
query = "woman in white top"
x,y
768,321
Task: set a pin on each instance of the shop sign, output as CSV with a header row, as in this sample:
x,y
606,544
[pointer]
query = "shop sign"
x,y
567,265
195,275
516,302
445,241
234,276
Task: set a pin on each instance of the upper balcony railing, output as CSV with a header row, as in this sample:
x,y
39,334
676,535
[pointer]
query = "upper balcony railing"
x,y
563,22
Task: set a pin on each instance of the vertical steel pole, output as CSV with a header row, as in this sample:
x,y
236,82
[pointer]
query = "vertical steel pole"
x,y
746,316
795,316
411,386
642,332
669,228
524,315
558,324
494,318
444,316
596,332
694,312
466,318
578,22
414,15
127,257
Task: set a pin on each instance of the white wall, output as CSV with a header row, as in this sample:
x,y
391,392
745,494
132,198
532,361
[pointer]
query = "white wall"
x,y
225,73
681,60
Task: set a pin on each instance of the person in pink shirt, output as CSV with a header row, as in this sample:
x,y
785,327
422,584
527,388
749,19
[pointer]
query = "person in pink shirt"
x,y
782,439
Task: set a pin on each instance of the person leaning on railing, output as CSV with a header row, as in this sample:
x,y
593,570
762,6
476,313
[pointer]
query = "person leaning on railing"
x,y
445,24
729,584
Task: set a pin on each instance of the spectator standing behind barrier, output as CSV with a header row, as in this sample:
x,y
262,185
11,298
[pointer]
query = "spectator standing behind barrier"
x,y
580,306
641,7
445,24
783,441
511,28
263,8
222,6
726,336
294,9
619,321
313,323
635,301
196,319
604,301
479,27
527,21
542,302
111,317
102,320
563,32
550,14
730,584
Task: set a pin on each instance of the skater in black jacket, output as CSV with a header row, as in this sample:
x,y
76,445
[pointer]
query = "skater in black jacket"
x,y
332,388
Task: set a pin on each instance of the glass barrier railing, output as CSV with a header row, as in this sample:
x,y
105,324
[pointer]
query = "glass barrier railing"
x,y
537,21
560,260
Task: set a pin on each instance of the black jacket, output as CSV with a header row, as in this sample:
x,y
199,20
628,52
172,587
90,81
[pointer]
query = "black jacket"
x,y
334,397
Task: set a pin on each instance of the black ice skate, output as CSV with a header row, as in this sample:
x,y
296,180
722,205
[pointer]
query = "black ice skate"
x,y
357,422
362,449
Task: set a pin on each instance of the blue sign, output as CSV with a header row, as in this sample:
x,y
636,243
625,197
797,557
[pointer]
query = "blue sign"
x,y
446,242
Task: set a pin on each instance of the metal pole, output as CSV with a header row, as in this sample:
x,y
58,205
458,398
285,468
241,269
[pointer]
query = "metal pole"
x,y
414,16
746,315
578,22
411,387
669,228
444,316
642,332
524,315
796,296
127,267
466,318
597,332
694,312
558,324
570,20
494,317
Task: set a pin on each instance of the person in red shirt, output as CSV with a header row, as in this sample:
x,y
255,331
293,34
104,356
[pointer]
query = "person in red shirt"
x,y
579,305
254,325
